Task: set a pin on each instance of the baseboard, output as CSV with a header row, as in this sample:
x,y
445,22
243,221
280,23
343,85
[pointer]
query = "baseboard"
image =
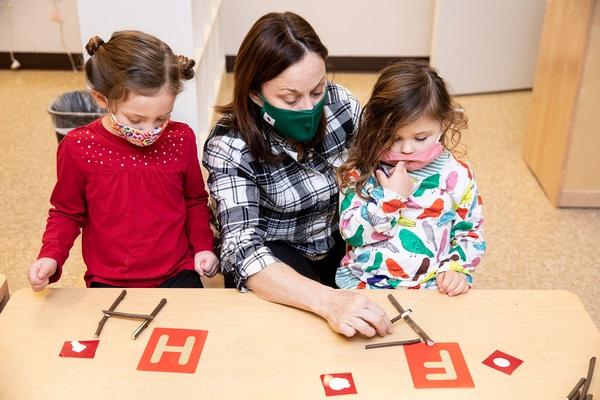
x,y
60,61
579,198
53,61
348,64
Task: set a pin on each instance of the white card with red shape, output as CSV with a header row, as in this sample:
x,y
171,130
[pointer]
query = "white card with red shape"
x,y
338,384
502,362
79,348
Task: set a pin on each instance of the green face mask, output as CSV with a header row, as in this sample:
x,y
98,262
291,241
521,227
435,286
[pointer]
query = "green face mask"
x,y
300,126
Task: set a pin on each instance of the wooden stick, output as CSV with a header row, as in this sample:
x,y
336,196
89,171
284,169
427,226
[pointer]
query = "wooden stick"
x,y
410,322
126,315
588,379
388,344
398,317
145,323
574,393
112,307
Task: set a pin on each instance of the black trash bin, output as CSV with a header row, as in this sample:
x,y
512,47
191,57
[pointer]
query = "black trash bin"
x,y
72,110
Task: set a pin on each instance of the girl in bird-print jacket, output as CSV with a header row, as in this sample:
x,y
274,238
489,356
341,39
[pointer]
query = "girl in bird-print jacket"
x,y
414,218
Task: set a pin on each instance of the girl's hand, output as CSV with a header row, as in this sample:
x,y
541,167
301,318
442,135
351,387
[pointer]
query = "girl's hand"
x,y
399,181
40,273
452,283
206,263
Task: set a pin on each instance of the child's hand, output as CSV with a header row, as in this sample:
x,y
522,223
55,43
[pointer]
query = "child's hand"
x,y
452,283
399,181
40,273
206,263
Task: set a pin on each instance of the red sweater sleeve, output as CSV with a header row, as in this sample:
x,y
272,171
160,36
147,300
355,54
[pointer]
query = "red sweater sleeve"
x,y
67,215
198,214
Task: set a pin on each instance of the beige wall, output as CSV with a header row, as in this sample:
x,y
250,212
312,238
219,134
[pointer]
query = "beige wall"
x,y
347,27
34,31
487,45
190,27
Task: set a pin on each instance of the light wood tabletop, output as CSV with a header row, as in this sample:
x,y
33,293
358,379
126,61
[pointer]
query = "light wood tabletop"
x,y
261,350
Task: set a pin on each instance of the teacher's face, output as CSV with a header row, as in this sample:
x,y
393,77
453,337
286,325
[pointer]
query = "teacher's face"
x,y
299,87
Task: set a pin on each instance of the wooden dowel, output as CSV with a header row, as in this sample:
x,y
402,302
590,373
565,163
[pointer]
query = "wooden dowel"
x,y
112,307
588,378
398,317
410,322
126,315
388,344
574,393
145,323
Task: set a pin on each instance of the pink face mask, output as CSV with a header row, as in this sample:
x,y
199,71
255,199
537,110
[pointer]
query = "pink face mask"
x,y
416,160
139,137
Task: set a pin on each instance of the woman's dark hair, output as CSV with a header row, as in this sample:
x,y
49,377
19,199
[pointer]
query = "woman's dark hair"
x,y
275,42
133,61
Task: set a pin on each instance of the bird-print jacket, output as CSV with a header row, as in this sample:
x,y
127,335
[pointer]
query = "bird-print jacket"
x,y
405,242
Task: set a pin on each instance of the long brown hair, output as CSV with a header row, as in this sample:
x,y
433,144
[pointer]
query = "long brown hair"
x,y
134,61
404,92
275,42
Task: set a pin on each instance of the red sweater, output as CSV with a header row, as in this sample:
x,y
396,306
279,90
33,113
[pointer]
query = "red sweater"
x,y
143,210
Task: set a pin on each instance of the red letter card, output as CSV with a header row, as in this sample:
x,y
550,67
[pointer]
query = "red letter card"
x,y
439,366
173,350
338,384
502,362
79,348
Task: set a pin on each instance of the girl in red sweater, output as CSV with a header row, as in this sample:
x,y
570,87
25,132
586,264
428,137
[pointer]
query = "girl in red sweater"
x,y
130,181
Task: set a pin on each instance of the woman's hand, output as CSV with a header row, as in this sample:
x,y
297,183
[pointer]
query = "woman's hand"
x,y
206,263
399,181
350,313
452,283
40,273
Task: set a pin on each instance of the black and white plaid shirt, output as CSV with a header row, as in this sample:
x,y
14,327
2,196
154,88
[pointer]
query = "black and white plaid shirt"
x,y
293,201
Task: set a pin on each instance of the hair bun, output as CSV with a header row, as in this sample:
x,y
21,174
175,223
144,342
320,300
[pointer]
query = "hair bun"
x,y
186,67
93,44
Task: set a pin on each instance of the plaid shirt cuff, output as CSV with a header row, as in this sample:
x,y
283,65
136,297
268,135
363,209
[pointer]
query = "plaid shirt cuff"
x,y
255,263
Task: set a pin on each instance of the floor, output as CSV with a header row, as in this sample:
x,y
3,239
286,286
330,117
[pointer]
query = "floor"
x,y
532,245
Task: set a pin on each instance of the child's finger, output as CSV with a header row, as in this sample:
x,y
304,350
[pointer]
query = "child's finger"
x,y
381,177
448,278
200,268
445,281
455,284
460,288
32,274
44,271
399,168
211,267
39,286
440,281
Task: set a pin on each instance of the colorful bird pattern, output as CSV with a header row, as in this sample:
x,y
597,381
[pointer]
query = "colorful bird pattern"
x,y
403,242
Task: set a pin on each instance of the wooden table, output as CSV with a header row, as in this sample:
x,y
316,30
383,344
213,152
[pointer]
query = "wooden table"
x,y
260,350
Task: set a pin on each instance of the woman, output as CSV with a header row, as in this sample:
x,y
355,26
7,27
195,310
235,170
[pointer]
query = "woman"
x,y
271,163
